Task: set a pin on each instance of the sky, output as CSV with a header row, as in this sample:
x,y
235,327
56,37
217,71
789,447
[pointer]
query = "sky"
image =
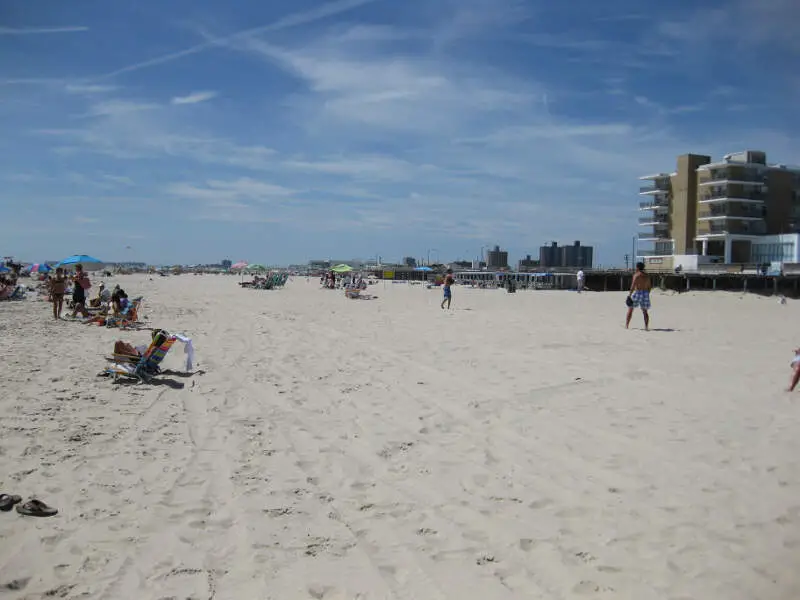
x,y
277,132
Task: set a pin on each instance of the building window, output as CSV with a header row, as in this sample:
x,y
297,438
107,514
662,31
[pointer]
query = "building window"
x,y
777,252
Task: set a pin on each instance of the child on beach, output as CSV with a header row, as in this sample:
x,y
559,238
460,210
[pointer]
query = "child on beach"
x,y
58,286
449,280
795,364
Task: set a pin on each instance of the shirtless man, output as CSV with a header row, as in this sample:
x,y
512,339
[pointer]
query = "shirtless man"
x,y
639,296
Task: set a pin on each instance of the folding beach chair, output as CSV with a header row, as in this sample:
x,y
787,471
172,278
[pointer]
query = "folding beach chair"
x,y
130,318
146,366
15,293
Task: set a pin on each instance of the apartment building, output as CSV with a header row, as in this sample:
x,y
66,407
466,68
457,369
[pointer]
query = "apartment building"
x,y
574,256
738,210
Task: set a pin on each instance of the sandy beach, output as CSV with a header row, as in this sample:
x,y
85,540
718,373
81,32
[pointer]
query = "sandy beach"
x,y
520,446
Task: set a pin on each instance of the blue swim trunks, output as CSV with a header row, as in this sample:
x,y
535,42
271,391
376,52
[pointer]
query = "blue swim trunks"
x,y
447,293
641,299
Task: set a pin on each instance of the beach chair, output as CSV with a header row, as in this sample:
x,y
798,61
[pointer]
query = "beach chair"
x,y
13,293
130,318
146,366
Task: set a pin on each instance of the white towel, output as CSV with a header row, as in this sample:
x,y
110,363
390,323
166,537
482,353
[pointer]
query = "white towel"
x,y
188,349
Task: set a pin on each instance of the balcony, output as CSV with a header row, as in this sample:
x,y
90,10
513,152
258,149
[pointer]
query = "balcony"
x,y
716,177
653,189
731,226
731,211
655,235
657,204
732,195
656,220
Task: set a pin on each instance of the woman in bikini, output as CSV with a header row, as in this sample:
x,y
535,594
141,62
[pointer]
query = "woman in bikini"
x,y
58,286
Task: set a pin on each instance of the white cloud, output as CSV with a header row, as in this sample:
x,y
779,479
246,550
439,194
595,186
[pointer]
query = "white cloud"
x,y
302,18
40,30
78,88
244,188
119,179
118,107
194,98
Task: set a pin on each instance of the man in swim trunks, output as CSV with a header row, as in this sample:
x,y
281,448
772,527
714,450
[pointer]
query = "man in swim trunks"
x,y
639,296
448,292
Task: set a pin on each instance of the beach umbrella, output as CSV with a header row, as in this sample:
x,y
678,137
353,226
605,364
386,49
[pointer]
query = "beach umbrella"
x,y
239,265
89,263
4,269
256,267
423,269
40,268
342,268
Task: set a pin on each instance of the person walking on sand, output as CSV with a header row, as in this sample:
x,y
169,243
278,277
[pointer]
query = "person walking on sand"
x,y
58,286
580,276
639,296
446,286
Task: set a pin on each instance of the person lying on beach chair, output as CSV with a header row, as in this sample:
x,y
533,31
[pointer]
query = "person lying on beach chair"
x,y
129,362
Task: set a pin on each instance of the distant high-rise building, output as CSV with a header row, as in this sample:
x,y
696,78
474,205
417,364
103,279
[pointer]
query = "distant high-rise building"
x,y
226,264
718,209
574,256
497,259
410,261
527,263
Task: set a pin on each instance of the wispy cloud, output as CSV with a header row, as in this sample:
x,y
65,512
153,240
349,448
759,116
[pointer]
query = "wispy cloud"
x,y
117,107
120,179
40,30
194,98
244,188
301,18
77,88
769,23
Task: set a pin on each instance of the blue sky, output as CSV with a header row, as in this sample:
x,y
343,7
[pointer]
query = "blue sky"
x,y
192,130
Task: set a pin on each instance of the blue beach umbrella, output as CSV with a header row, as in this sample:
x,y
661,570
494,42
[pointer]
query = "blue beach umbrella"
x,y
423,269
4,269
89,263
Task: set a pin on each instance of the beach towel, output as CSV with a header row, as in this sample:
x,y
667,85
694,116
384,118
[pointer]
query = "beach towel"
x,y
188,349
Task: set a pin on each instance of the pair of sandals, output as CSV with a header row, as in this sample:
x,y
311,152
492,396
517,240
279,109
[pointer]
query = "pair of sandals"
x,y
31,508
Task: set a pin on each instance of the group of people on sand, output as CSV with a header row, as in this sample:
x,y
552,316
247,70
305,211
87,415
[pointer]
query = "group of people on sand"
x,y
8,281
105,302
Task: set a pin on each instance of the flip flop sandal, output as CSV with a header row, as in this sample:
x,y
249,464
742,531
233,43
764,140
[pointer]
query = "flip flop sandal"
x,y
7,501
36,508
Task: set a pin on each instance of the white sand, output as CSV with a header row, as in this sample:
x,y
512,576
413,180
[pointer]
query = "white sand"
x,y
522,446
